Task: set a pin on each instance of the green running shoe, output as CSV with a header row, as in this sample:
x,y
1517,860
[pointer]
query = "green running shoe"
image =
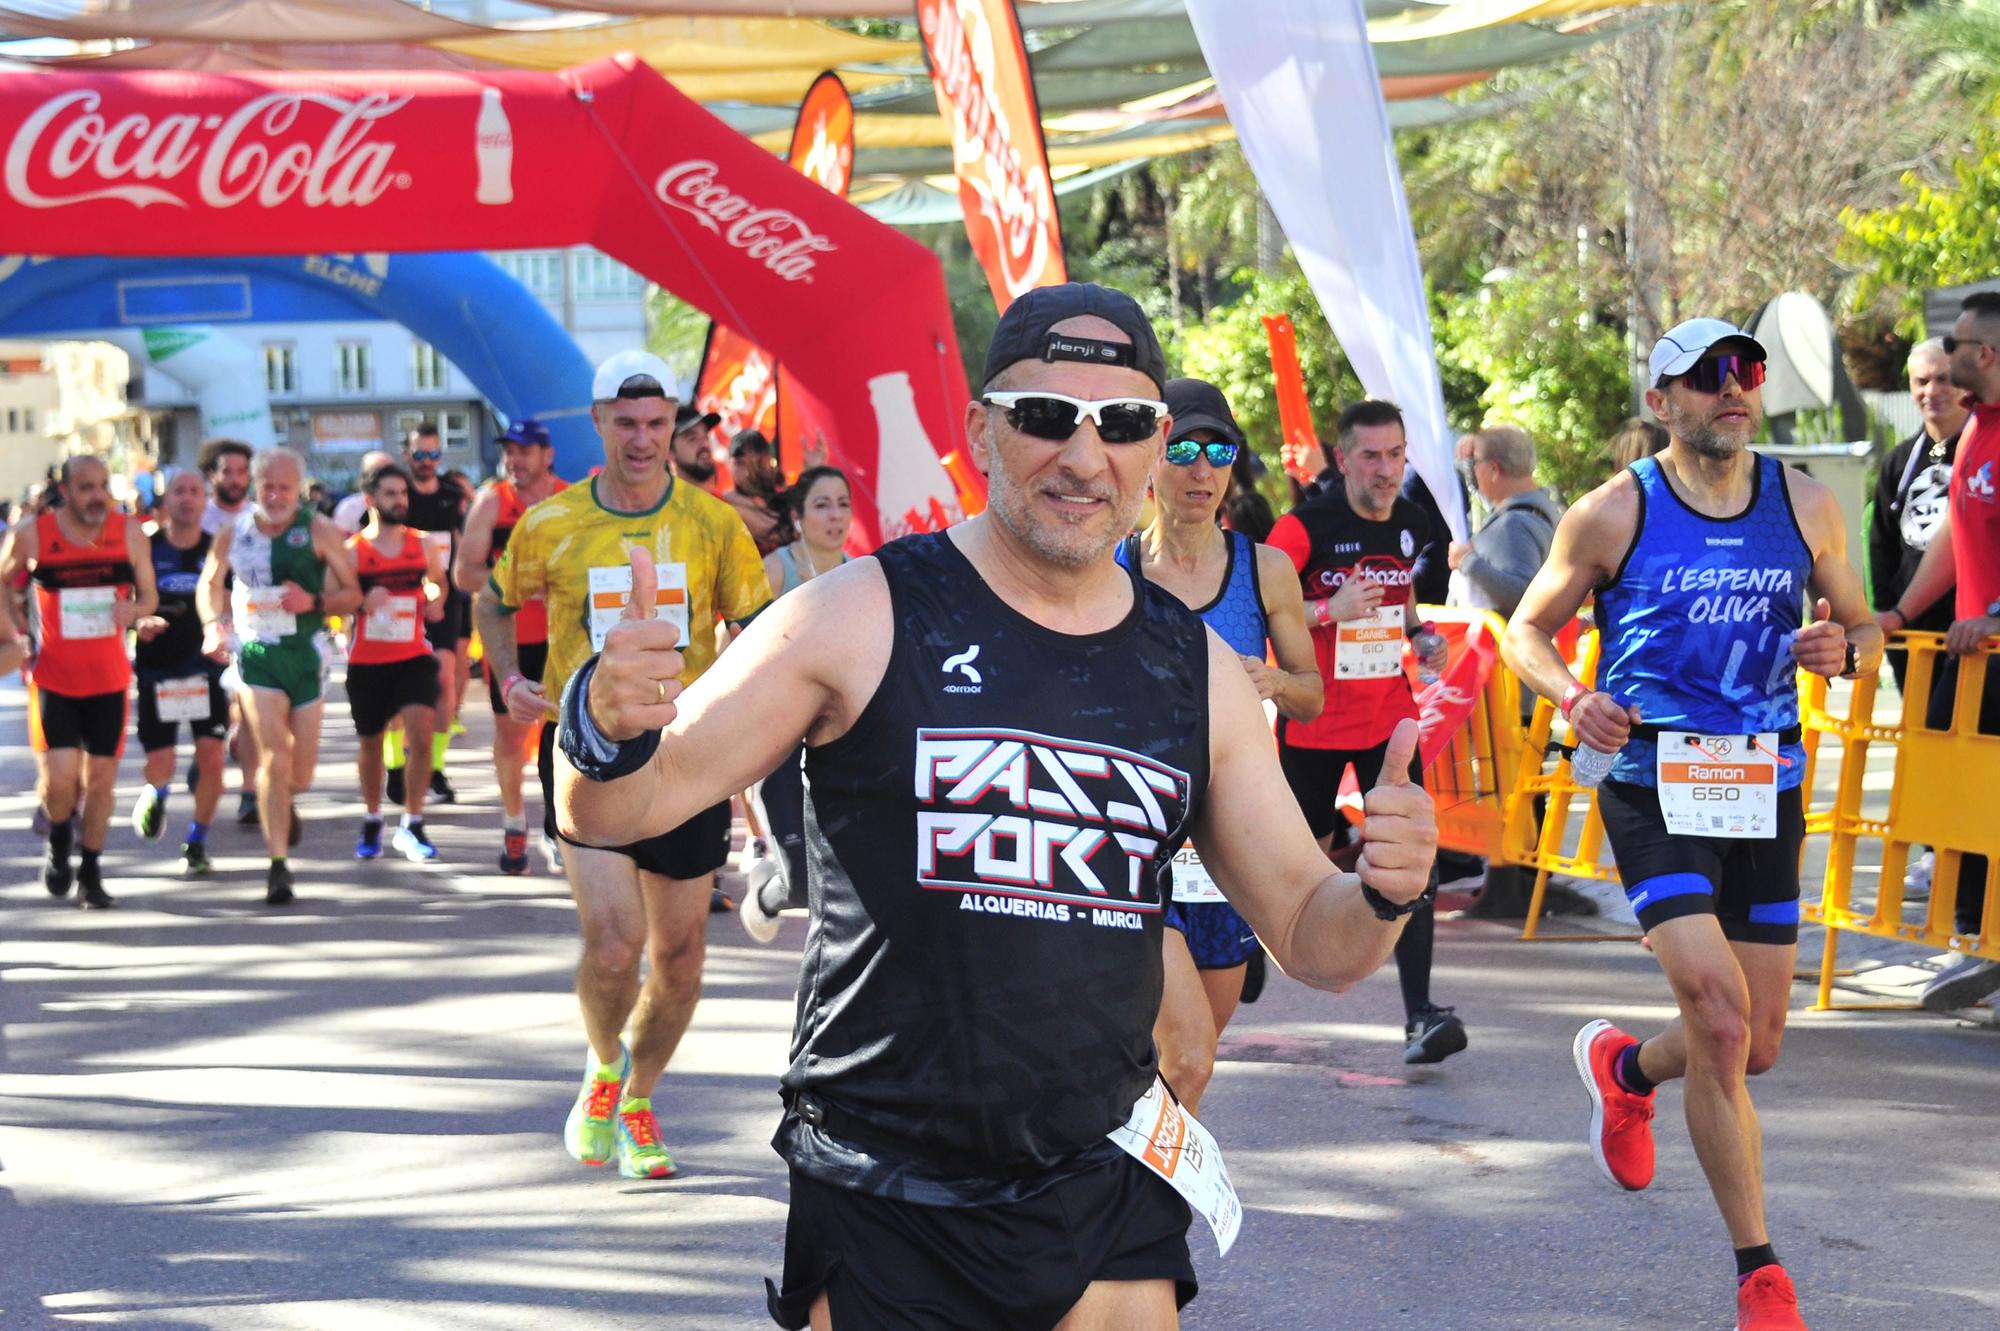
x,y
589,1133
640,1154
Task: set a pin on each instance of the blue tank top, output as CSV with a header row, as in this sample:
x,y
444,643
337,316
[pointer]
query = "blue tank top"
x,y
1237,612
1698,622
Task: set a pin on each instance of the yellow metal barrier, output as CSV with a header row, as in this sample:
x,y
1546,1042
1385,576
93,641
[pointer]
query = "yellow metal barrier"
x,y
1942,796
1474,776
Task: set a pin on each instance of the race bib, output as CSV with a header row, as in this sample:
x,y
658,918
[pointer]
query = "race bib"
x,y
260,612
394,622
1192,885
1166,1139
182,699
611,588
86,612
1719,785
1370,647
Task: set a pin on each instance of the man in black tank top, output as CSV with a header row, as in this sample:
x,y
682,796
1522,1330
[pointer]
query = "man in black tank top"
x,y
1007,740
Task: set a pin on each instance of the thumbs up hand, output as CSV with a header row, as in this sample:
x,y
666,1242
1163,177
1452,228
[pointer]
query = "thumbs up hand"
x,y
1399,832
1821,646
638,674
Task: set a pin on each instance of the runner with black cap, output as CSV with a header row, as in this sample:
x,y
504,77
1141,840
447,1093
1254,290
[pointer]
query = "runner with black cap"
x,y
1701,558
1250,596
437,509
642,897
525,453
694,446
1008,737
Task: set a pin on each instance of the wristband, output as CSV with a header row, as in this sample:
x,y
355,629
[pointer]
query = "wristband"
x,y
1386,909
597,758
507,685
1320,612
1569,699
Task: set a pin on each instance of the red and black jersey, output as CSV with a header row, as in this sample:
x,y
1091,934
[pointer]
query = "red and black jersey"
x,y
531,621
82,649
397,634
1328,543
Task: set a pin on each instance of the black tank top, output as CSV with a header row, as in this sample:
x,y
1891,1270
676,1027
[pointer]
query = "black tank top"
x,y
987,849
178,574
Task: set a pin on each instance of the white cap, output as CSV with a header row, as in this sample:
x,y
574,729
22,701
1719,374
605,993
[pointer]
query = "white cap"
x,y
1688,341
615,371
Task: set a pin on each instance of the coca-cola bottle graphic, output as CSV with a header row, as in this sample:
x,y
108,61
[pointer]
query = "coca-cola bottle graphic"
x,y
494,145
914,493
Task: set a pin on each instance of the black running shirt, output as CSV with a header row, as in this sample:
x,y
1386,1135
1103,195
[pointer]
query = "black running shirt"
x,y
987,849
177,573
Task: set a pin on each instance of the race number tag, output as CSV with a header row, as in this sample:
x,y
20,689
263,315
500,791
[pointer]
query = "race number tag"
x,y
86,612
1192,885
394,622
1370,647
1719,785
1166,1139
261,613
611,588
182,699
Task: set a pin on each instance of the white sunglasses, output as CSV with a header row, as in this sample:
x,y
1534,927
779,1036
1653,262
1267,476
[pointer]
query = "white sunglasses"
x,y
1054,416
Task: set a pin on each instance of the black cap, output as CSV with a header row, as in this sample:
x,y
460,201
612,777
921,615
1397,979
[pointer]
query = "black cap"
x,y
1023,331
689,414
1196,404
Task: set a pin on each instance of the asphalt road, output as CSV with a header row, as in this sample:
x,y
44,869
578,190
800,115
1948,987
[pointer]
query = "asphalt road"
x,y
347,1115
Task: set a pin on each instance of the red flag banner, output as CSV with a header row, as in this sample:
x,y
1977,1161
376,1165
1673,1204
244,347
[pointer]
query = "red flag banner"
x,y
1300,447
979,70
1444,707
741,382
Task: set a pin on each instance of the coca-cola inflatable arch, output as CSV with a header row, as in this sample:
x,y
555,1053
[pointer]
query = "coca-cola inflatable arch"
x,y
610,154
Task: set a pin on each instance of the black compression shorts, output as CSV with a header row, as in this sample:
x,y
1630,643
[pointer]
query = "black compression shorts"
x,y
695,849
377,692
94,723
892,1265
1751,887
157,734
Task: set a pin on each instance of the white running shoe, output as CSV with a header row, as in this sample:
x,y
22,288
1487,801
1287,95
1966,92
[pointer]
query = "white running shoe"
x,y
1917,882
759,920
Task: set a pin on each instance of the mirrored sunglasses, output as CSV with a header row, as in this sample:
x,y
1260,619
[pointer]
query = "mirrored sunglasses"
x,y
426,454
1221,453
1707,375
1055,416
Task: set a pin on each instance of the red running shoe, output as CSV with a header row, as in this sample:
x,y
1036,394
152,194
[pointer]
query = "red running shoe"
x,y
1765,1301
1621,1123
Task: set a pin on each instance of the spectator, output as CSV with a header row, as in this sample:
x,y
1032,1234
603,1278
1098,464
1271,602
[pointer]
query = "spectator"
x,y
1245,509
1911,492
758,496
1636,439
1505,554
351,513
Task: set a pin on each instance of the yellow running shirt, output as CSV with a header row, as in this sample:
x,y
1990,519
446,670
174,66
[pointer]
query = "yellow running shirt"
x,y
573,552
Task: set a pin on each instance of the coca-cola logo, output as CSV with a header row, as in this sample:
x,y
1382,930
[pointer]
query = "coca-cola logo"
x,y
776,237
263,152
1015,201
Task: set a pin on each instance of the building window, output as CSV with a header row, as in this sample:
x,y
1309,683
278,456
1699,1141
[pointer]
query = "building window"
x,y
281,368
13,420
427,368
352,371
454,426
28,419
540,271
601,277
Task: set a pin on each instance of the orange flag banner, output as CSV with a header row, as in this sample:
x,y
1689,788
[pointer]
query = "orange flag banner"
x,y
1300,446
979,70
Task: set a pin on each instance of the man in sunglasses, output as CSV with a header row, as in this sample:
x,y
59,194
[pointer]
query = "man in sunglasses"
x,y
1008,738
1702,559
1356,549
437,508
1965,550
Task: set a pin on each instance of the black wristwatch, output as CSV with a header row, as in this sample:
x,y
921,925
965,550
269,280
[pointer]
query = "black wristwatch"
x,y
1386,909
1850,665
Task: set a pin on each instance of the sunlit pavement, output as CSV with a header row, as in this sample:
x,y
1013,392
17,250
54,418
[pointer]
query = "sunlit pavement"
x,y
346,1115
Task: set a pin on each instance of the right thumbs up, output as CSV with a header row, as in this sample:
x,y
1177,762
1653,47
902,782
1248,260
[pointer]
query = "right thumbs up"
x,y
645,598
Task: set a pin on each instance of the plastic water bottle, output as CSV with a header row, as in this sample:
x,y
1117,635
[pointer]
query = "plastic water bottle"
x,y
1589,766
1425,644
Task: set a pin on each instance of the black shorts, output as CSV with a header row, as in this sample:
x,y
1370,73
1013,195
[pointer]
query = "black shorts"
x,y
94,723
377,693
891,1265
695,849
1314,776
444,632
533,657
157,734
1751,887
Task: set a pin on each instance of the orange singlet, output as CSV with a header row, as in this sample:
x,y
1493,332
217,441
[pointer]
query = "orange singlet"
x,y
397,633
531,621
82,648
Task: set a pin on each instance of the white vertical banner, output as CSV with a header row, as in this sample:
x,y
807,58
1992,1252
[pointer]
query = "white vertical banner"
x,y
1303,94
